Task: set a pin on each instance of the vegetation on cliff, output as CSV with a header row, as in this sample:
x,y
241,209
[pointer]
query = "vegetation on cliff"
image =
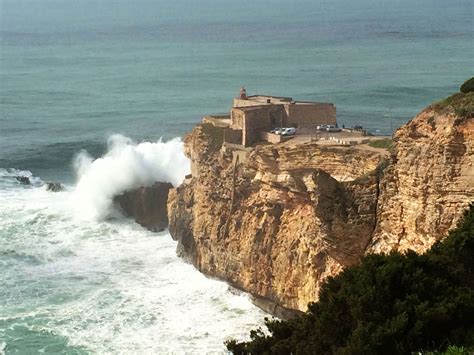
x,y
461,104
467,86
385,143
391,304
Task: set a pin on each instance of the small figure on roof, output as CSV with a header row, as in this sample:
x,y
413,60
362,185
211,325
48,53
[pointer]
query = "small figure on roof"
x,y
243,93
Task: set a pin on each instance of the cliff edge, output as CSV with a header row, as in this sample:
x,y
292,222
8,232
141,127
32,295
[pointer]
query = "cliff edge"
x,y
277,220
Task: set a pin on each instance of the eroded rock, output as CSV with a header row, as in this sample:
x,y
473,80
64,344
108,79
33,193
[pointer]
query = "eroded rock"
x,y
430,180
147,205
277,224
54,186
25,180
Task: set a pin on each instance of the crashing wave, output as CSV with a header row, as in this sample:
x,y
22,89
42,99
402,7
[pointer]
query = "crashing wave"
x,y
126,165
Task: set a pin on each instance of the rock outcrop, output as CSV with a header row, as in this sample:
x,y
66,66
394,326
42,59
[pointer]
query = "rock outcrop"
x,y
54,186
25,180
277,220
147,205
430,180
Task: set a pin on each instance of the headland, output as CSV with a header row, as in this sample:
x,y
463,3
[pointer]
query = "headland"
x,y
276,214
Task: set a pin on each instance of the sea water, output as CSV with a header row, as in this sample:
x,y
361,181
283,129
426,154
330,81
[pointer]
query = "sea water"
x,y
76,278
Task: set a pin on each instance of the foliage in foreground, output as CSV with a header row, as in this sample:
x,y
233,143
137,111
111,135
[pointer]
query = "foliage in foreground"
x,y
389,304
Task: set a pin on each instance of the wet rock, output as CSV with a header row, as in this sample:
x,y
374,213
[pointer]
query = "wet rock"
x,y
147,205
54,186
25,180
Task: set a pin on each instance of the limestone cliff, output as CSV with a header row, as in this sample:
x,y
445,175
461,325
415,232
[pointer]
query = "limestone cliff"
x,y
276,224
276,220
431,178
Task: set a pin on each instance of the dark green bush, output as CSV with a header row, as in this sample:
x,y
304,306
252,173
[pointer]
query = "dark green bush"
x,y
389,304
467,86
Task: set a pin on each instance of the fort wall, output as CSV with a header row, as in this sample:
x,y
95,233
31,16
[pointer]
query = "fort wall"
x,y
217,120
233,136
258,119
272,137
301,115
247,103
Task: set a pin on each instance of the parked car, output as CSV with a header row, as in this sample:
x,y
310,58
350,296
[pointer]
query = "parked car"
x,y
276,130
321,127
332,128
288,131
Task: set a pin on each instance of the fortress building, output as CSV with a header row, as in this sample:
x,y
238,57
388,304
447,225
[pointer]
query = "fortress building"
x,y
251,116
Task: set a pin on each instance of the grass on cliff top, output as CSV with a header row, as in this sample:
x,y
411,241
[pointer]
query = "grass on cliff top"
x,y
385,143
462,104
389,304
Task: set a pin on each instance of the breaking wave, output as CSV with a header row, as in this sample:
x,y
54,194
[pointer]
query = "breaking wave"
x,y
125,165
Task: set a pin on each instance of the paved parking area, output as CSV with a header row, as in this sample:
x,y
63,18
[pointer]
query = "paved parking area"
x,y
337,139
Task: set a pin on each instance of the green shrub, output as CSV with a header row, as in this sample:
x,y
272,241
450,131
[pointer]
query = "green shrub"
x,y
458,350
385,143
389,304
451,350
460,104
467,86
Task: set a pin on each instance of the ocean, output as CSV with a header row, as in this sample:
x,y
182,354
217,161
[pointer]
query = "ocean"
x,y
94,93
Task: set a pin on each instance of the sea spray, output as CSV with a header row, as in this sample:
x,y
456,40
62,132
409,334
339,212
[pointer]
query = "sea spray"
x,y
125,165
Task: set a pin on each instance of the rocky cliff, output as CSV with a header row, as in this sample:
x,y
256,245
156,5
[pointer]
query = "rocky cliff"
x,y
275,223
431,178
147,205
276,220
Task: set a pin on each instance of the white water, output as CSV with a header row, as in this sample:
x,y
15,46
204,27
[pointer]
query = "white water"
x,y
105,286
126,165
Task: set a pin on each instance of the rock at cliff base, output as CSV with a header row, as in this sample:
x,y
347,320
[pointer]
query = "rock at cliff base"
x,y
25,180
54,186
147,205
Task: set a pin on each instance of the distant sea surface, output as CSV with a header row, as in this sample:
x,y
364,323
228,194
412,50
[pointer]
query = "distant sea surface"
x,y
72,73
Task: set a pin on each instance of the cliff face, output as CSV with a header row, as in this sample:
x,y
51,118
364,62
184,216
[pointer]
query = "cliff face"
x,y
431,179
277,224
277,220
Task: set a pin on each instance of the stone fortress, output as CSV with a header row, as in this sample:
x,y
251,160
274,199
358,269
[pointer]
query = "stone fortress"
x,y
252,117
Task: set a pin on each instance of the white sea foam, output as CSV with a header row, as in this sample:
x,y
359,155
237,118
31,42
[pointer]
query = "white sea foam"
x,y
8,177
126,165
107,286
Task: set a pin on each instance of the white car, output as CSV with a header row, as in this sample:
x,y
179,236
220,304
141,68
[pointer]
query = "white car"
x,y
288,131
332,128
